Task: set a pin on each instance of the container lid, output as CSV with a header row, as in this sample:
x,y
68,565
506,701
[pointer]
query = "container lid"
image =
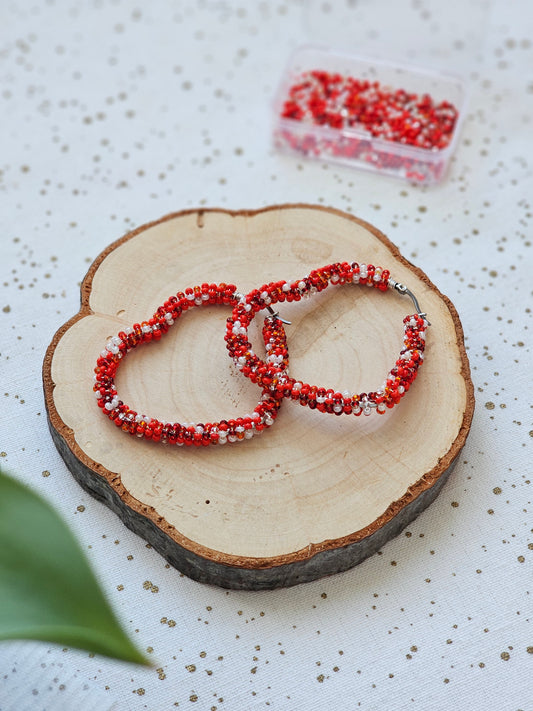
x,y
446,36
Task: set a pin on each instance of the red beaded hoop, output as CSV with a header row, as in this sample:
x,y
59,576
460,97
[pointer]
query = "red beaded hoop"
x,y
233,430
272,373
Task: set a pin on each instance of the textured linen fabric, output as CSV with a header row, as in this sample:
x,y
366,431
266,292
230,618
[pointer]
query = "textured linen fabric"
x,y
115,114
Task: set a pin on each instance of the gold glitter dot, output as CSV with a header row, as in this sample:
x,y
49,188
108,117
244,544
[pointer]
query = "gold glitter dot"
x,y
496,490
521,559
80,508
489,405
203,655
455,504
45,473
171,623
120,588
529,650
320,678
191,667
193,698
505,656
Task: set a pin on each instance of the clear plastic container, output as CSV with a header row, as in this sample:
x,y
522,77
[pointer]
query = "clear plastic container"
x,y
353,145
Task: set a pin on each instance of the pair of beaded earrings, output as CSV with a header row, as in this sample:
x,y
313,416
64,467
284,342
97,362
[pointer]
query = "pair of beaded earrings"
x,y
270,374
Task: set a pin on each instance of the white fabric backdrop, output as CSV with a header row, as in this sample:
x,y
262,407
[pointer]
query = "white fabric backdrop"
x,y
114,114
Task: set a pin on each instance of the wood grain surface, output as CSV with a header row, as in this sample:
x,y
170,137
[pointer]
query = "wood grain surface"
x,y
313,495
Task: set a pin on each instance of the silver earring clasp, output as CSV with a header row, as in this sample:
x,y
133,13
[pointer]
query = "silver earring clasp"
x,y
402,289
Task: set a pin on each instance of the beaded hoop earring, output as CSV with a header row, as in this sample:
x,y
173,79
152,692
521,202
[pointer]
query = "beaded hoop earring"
x,y
143,426
272,373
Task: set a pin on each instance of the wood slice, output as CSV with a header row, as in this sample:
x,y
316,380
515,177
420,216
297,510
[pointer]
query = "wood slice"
x,y
313,495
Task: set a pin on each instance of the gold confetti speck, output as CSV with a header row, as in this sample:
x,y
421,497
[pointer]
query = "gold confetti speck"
x,y
490,405
497,490
455,504
80,508
521,559
193,698
191,667
505,656
45,473
148,585
320,678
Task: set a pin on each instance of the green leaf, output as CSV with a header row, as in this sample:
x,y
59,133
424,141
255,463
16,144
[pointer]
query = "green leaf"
x,y
48,591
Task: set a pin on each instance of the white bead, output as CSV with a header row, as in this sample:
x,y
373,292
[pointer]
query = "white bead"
x,y
285,287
